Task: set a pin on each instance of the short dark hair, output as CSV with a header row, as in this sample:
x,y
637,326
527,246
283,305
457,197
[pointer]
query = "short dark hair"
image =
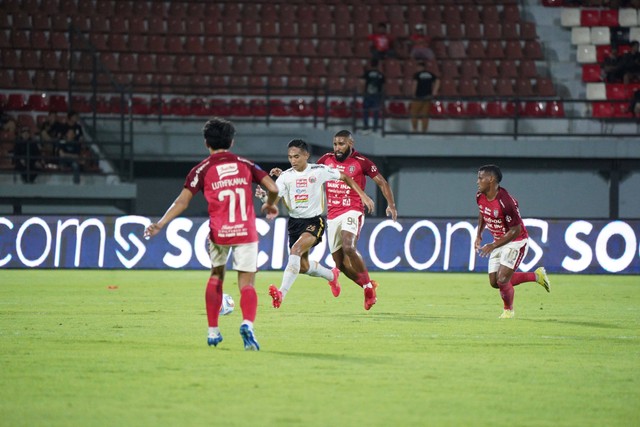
x,y
299,143
493,170
219,133
344,133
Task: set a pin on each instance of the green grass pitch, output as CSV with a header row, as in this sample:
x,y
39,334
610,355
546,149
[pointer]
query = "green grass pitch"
x,y
74,351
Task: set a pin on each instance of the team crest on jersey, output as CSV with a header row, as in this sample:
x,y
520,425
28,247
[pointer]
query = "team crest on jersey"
x,y
508,218
352,170
301,182
227,170
312,179
496,213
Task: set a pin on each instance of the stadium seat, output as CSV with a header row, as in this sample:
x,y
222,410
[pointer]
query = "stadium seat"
x,y
494,109
494,49
602,110
600,35
580,35
508,69
37,102
16,102
484,87
617,91
534,109
528,31
555,109
586,54
475,109
589,17
466,88
570,17
455,109
591,73
609,18
492,31
437,109
628,17
596,91
544,87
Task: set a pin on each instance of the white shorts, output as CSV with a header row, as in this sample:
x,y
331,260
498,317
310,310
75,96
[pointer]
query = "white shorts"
x,y
245,256
509,255
349,221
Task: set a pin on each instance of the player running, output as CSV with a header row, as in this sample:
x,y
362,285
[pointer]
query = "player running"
x,y
301,190
226,182
345,213
500,214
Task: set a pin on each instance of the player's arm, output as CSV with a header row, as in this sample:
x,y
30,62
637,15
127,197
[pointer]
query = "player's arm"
x,y
366,200
176,208
270,206
388,194
480,229
501,241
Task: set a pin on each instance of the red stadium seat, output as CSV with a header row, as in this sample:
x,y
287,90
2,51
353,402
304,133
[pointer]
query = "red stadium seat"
x,y
555,109
589,17
591,73
609,18
617,91
602,110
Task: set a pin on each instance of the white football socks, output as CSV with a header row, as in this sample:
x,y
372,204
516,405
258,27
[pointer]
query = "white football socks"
x,y
290,275
317,270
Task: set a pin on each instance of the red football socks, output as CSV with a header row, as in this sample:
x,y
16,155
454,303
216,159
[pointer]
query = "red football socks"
x,y
213,300
506,293
363,279
248,303
519,277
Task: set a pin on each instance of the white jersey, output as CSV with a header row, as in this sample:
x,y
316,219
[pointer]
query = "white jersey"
x,y
302,192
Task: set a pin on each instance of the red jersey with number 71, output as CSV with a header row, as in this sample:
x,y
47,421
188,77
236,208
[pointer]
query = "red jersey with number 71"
x,y
226,182
501,214
340,197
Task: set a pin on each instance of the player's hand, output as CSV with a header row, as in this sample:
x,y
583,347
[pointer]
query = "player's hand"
x,y
260,193
392,212
151,230
368,202
275,172
270,210
486,250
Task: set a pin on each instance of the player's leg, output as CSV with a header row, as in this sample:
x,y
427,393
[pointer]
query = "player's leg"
x,y
414,110
510,256
214,291
426,109
354,262
300,247
503,280
245,259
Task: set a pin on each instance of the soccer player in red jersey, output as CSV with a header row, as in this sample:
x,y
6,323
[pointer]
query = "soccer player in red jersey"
x,y
226,182
500,214
345,212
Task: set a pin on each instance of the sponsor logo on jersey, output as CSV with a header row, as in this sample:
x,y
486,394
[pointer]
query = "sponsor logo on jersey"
x,y
227,169
300,190
301,182
373,168
301,198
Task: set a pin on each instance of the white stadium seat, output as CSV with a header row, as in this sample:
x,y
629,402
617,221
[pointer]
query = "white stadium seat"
x,y
570,17
634,34
628,17
580,35
586,54
600,35
596,91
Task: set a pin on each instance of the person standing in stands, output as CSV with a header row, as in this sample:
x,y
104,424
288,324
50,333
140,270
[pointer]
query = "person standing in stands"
x,y
425,86
26,155
226,181
373,96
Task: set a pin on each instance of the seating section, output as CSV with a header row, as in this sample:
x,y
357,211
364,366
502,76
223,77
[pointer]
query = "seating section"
x,y
235,49
594,32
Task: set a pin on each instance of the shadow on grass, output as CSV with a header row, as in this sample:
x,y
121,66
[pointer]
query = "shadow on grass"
x,y
576,323
338,357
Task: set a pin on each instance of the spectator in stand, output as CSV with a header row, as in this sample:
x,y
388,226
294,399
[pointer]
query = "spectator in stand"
x,y
425,86
73,123
419,45
52,130
631,64
634,107
381,43
373,95
69,151
26,156
611,71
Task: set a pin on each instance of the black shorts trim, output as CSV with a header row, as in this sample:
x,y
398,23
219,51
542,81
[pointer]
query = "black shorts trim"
x,y
314,226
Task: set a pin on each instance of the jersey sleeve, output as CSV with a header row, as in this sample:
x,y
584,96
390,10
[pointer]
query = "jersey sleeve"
x,y
257,173
195,180
330,173
323,160
369,168
282,186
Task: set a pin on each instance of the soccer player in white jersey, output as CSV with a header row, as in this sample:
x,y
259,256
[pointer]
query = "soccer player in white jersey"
x,y
301,190
226,182
500,214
